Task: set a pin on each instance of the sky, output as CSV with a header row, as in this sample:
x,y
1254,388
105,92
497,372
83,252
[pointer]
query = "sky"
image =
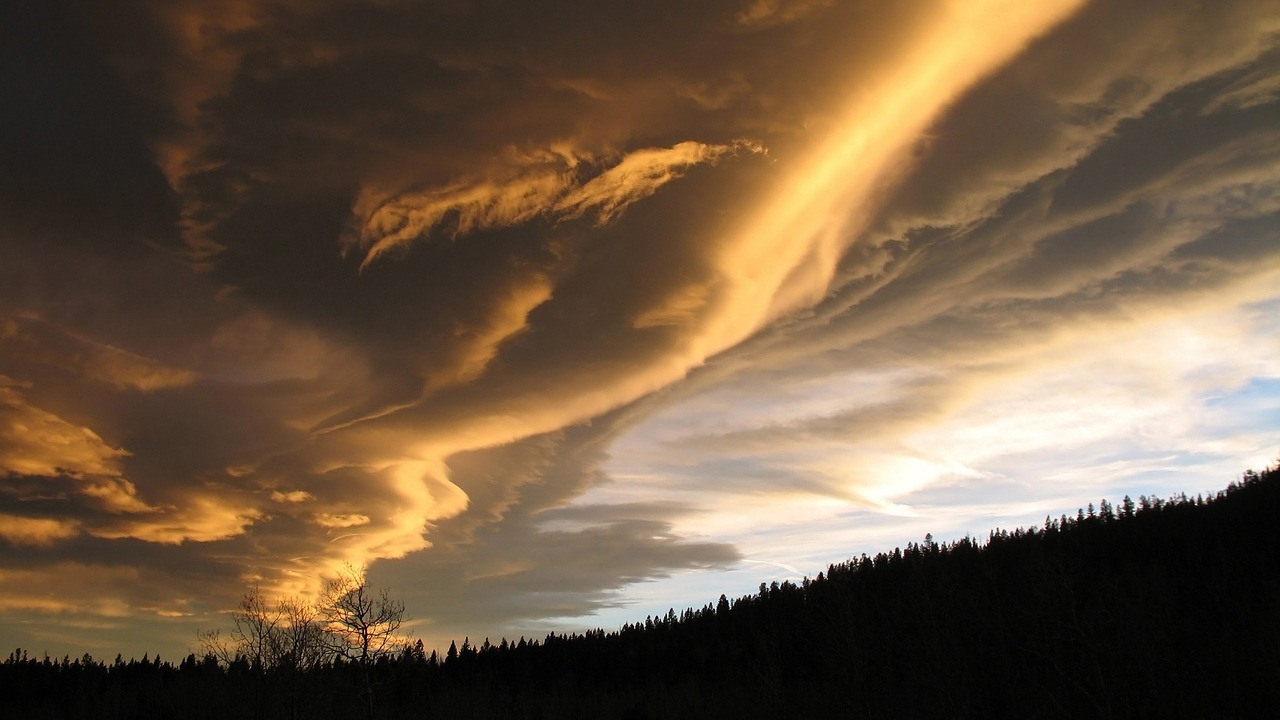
x,y
558,314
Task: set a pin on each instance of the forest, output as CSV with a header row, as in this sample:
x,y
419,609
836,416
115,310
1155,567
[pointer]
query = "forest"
x,y
1150,608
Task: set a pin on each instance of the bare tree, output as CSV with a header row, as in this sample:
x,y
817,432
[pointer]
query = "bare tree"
x,y
251,636
360,623
350,621
301,637
288,633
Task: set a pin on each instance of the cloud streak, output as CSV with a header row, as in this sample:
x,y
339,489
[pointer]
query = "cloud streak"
x,y
553,192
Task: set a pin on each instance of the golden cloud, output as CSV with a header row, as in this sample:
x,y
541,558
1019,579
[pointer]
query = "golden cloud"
x,y
552,190
200,518
341,520
37,442
476,206
116,494
38,532
639,175
292,496
508,318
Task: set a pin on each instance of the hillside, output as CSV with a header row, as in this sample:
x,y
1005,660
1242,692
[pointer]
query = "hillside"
x,y
1159,608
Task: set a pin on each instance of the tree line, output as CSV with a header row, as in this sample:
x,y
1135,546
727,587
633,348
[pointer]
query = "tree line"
x,y
1148,608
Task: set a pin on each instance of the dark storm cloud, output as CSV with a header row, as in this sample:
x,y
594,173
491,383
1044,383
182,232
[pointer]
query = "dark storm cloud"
x,y
75,137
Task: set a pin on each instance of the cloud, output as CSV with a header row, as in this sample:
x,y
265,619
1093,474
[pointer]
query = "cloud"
x,y
775,12
36,341
1077,333
552,191
35,531
37,442
1253,90
199,519
1070,101
341,520
482,205
293,496
639,175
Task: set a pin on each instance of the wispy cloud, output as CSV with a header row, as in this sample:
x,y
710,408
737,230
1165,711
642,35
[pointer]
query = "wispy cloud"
x,y
639,175
552,191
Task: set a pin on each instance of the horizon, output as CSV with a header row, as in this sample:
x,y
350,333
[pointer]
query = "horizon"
x,y
562,631
556,317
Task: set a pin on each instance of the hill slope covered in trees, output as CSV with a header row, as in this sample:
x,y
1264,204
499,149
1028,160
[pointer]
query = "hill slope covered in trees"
x,y
1159,609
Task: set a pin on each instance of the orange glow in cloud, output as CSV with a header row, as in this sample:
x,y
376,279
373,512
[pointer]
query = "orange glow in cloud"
x,y
639,175
785,256
544,185
38,442
781,260
39,532
200,518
